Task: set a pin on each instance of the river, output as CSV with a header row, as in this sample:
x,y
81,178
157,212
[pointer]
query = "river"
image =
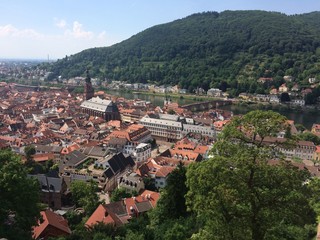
x,y
306,118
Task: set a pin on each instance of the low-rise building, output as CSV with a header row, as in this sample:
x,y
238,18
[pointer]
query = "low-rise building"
x,y
214,92
51,226
121,212
274,99
298,102
131,182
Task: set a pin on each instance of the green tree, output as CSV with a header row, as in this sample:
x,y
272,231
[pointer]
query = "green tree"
x,y
19,198
308,136
29,151
85,195
300,127
118,194
238,194
171,111
172,203
284,97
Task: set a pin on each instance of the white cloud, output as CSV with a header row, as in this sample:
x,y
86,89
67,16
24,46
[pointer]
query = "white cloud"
x,y
60,23
29,43
78,32
11,31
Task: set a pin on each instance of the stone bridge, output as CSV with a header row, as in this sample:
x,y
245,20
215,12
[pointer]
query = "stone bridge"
x,y
26,88
203,106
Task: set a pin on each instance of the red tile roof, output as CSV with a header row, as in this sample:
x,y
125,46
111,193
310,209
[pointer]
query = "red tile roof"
x,y
100,215
59,226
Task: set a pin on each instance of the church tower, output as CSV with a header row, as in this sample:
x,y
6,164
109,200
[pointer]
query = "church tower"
x,y
88,89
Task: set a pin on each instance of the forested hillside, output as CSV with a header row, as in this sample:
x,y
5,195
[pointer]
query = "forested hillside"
x,y
231,48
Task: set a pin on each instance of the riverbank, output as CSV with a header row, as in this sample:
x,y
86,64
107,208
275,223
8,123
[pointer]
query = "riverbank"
x,y
277,106
179,96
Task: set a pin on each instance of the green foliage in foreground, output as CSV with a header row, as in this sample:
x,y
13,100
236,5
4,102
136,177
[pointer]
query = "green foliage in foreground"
x,y
19,198
239,195
84,195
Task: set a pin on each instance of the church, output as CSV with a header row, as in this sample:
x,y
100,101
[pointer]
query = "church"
x,y
95,106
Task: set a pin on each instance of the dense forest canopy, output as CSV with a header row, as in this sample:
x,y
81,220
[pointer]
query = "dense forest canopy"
x,y
208,49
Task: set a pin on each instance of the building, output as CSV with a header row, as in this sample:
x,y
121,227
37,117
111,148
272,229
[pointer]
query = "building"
x,y
88,89
131,182
52,188
298,102
302,149
165,127
121,212
53,225
159,172
315,129
142,152
203,130
98,107
274,99
173,127
283,88
214,92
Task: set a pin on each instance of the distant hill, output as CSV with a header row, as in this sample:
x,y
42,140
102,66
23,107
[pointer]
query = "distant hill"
x,y
231,49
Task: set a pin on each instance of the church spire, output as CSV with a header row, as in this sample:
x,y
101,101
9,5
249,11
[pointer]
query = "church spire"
x,y
88,89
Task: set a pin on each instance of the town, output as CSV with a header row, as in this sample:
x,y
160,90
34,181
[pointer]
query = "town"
x,y
119,144
287,91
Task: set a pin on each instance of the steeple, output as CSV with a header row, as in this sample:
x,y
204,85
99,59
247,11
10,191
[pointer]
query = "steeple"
x,y
88,89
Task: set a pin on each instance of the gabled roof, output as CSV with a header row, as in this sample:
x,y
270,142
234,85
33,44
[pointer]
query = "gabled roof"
x,y
48,183
99,215
118,163
120,212
55,221
75,158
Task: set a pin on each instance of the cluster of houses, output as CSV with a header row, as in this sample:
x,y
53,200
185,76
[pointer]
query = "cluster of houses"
x,y
114,142
295,92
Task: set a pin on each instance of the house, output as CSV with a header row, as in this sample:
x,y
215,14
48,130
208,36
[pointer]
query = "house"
x,y
315,129
121,212
182,155
245,96
283,88
73,159
261,98
303,149
288,78
312,80
117,166
55,150
306,91
53,225
316,155
43,157
214,92
159,173
298,102
219,125
273,91
264,80
142,152
95,152
274,99
52,188
295,88
131,182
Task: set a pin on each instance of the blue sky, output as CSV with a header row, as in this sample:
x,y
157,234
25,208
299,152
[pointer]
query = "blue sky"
x,y
38,28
